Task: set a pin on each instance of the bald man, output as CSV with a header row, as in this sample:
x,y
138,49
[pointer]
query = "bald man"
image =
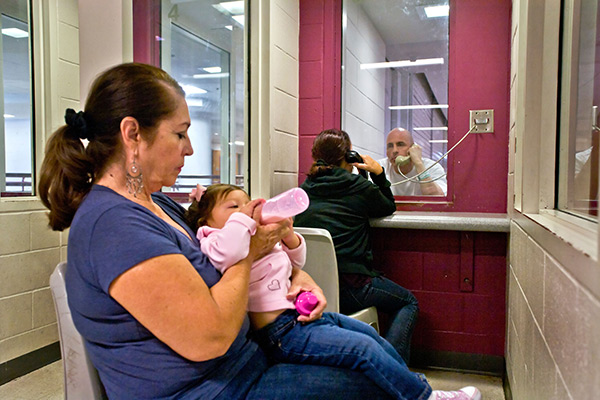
x,y
400,142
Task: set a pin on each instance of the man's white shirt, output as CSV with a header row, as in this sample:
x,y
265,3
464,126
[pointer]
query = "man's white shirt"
x,y
412,188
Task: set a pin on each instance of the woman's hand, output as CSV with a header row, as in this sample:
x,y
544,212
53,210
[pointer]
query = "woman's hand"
x,y
369,165
302,282
267,236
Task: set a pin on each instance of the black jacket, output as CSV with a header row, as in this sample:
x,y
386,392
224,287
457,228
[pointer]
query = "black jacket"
x,y
342,203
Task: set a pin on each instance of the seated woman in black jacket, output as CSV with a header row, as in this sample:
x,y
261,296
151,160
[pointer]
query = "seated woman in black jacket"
x,y
342,203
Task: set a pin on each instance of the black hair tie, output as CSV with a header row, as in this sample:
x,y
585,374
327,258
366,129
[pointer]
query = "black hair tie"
x,y
77,120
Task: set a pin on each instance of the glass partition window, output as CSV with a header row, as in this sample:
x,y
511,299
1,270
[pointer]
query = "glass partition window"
x,y
202,47
16,138
580,117
395,75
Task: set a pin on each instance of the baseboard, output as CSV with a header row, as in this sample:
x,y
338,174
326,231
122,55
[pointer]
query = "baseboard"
x,y
29,362
463,362
506,386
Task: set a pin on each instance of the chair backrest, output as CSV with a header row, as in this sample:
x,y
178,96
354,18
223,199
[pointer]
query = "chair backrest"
x,y
80,377
321,263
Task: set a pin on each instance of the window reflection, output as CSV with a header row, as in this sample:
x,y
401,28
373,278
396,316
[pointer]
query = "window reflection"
x,y
395,74
578,162
15,100
202,47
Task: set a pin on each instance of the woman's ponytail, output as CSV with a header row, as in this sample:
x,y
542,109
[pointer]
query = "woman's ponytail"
x,y
329,150
66,175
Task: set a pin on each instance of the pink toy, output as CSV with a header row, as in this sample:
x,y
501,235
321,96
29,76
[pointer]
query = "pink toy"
x,y
306,302
284,205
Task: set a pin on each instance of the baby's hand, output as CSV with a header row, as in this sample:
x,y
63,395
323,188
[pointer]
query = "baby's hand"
x,y
291,240
253,209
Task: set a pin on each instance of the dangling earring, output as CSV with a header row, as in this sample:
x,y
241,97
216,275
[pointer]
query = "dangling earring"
x,y
134,179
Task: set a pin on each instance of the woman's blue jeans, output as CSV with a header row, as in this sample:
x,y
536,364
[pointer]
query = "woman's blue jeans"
x,y
336,340
389,297
263,380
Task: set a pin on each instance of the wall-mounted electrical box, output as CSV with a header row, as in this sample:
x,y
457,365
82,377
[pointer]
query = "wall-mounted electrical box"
x,y
481,121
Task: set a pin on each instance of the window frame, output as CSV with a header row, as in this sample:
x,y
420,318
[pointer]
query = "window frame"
x,y
148,22
415,202
537,62
40,122
568,117
32,58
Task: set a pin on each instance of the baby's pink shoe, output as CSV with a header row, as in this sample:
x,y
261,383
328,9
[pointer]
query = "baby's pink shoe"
x,y
466,393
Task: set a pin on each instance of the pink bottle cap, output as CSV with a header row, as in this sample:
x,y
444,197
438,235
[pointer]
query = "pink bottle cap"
x,y
306,302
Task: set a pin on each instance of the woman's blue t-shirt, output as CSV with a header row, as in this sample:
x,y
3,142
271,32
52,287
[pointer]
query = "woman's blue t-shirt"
x,y
108,236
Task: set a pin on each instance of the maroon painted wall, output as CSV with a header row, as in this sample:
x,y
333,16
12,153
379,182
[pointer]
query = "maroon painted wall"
x,y
146,31
479,78
320,76
459,279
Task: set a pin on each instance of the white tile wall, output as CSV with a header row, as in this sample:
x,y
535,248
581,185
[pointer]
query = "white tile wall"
x,y
284,112
284,94
284,148
26,271
27,342
17,225
553,349
68,44
287,28
16,316
284,71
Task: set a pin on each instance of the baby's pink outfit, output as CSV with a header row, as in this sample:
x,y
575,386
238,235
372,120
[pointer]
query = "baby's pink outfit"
x,y
269,276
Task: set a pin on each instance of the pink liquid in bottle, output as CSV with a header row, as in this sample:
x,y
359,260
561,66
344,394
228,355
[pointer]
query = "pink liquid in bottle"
x,y
306,302
287,204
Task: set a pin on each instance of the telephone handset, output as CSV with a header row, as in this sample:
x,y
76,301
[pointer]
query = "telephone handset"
x,y
403,160
353,157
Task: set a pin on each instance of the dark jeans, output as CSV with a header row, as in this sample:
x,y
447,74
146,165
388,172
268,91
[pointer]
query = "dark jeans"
x,y
399,303
336,340
262,380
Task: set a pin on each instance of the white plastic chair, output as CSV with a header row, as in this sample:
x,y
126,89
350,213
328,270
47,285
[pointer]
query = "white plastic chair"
x,y
321,265
80,377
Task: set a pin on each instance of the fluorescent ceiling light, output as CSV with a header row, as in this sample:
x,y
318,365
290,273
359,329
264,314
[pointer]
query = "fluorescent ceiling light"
x,y
404,63
195,102
432,128
212,70
211,76
418,107
438,141
15,32
437,11
8,116
191,89
232,7
238,143
239,19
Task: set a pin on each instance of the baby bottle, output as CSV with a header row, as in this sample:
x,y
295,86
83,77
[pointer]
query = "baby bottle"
x,y
306,302
284,205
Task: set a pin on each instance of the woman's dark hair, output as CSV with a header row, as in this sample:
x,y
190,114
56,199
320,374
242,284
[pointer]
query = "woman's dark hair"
x,y
69,169
328,151
198,212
